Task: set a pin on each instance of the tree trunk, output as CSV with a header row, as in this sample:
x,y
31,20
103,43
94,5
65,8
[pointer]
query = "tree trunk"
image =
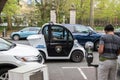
x,y
91,13
9,21
2,3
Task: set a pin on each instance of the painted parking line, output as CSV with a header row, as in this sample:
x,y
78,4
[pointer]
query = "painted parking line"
x,y
79,69
84,76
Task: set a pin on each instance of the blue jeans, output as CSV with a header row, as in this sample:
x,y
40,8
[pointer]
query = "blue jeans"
x,y
107,70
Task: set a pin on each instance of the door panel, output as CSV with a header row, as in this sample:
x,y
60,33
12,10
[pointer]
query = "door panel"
x,y
59,41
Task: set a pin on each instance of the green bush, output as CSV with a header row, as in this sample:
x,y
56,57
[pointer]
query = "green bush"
x,y
2,28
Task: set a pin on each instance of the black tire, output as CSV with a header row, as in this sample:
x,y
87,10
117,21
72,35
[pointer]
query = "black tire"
x,y
4,73
16,37
43,54
77,56
96,45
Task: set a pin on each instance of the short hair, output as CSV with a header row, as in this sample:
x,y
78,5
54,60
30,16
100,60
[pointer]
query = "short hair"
x,y
109,27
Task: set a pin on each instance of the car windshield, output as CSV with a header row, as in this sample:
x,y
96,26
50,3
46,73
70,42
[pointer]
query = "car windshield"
x,y
25,29
31,29
79,28
5,45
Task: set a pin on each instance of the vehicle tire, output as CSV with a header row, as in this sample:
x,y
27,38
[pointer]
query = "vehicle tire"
x,y
77,56
96,45
43,54
16,37
4,73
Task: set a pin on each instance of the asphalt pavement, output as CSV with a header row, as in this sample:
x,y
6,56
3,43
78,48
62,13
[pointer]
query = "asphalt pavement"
x,y
67,70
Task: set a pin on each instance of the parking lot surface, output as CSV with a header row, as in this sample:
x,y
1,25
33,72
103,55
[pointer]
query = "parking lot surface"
x,y
67,70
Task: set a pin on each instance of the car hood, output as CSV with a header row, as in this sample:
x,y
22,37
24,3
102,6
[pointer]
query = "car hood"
x,y
22,50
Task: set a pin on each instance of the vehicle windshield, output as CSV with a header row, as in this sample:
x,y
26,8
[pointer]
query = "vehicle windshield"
x,y
30,29
5,45
25,29
79,28
83,29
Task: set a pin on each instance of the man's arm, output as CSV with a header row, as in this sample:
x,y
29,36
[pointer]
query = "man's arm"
x,y
101,49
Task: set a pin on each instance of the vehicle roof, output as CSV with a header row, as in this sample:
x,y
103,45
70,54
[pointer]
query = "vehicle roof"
x,y
50,24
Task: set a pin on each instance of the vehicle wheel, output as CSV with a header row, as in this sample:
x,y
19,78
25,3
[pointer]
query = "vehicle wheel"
x,y
77,56
4,73
16,37
96,45
43,54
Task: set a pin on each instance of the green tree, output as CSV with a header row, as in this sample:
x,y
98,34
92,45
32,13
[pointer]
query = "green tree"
x,y
43,9
11,7
107,10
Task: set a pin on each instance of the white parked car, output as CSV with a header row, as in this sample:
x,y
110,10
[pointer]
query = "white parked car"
x,y
13,55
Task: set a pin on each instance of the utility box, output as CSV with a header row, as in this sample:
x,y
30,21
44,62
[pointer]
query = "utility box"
x,y
34,71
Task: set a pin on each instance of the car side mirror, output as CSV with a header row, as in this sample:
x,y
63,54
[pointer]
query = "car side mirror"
x,y
21,31
90,33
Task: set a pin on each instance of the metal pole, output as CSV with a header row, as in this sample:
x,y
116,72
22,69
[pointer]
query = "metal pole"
x,y
91,13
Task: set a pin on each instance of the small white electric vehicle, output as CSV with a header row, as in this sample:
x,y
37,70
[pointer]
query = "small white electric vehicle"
x,y
57,42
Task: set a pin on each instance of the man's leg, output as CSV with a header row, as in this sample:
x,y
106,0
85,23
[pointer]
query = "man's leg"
x,y
113,70
103,71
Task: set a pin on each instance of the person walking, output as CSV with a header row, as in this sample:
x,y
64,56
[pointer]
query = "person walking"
x,y
109,48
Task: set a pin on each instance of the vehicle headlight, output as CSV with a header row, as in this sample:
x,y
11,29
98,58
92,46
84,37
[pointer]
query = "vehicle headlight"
x,y
27,58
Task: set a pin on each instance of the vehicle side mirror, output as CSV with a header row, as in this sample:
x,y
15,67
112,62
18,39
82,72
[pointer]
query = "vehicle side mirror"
x,y
21,31
90,33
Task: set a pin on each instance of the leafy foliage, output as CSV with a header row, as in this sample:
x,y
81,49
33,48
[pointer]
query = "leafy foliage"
x,y
104,10
9,10
11,7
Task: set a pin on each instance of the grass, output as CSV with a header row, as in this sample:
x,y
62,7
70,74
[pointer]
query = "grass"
x,y
98,28
2,28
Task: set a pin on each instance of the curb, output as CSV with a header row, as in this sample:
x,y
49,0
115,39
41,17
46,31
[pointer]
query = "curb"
x,y
5,37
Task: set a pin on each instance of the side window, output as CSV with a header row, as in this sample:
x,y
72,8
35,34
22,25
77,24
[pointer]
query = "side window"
x,y
58,33
70,38
25,29
45,32
33,29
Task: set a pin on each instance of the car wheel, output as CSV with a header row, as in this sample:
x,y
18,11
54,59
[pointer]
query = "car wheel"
x,y
43,54
96,45
4,73
41,58
77,56
16,37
